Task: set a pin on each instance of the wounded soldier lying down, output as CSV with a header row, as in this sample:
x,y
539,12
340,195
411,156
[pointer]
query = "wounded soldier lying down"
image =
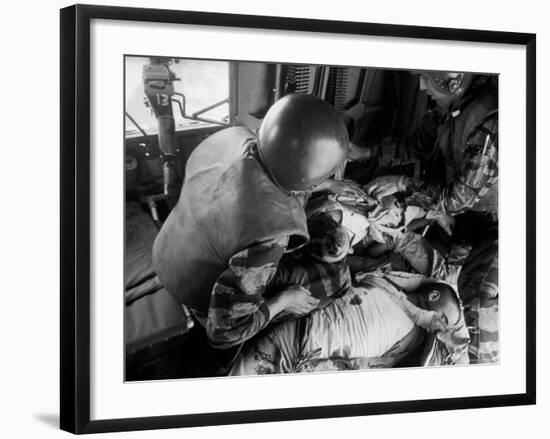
x,y
365,328
374,324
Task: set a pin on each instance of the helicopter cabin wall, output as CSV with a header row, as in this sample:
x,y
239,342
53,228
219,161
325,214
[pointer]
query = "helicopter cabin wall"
x,y
371,102
255,88
366,98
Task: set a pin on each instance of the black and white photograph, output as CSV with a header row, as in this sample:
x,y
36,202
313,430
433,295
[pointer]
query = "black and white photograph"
x,y
297,218
275,219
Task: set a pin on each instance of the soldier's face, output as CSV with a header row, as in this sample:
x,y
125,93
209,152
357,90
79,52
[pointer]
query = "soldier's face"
x,y
343,249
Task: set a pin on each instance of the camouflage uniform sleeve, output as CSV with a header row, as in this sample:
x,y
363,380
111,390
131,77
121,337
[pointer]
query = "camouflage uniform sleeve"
x,y
479,171
237,306
422,256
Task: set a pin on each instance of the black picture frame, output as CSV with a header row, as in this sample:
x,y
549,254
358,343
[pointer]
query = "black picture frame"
x,y
75,217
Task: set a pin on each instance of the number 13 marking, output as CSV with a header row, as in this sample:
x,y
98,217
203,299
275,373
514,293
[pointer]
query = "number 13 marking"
x,y
163,99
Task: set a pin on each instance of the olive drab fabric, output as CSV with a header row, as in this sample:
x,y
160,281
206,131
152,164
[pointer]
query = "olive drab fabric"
x,y
227,204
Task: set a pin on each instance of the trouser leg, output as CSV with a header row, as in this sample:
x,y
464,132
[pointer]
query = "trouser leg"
x,y
480,232
478,285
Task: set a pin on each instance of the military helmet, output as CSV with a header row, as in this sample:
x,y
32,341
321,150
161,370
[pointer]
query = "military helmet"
x,y
450,84
301,142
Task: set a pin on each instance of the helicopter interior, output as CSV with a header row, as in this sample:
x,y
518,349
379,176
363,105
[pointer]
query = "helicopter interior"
x,y
172,105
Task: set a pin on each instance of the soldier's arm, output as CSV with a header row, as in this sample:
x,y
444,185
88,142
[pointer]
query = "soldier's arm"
x,y
479,171
429,320
237,308
422,256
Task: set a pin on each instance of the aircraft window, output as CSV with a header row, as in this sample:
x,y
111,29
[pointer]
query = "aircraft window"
x,y
205,85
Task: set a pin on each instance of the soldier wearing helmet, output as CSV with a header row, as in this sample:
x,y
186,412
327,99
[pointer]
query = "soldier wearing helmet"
x,y
458,142
241,207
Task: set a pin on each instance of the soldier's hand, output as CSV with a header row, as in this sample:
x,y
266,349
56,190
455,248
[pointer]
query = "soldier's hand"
x,y
431,321
446,222
387,185
298,301
438,323
357,153
348,188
